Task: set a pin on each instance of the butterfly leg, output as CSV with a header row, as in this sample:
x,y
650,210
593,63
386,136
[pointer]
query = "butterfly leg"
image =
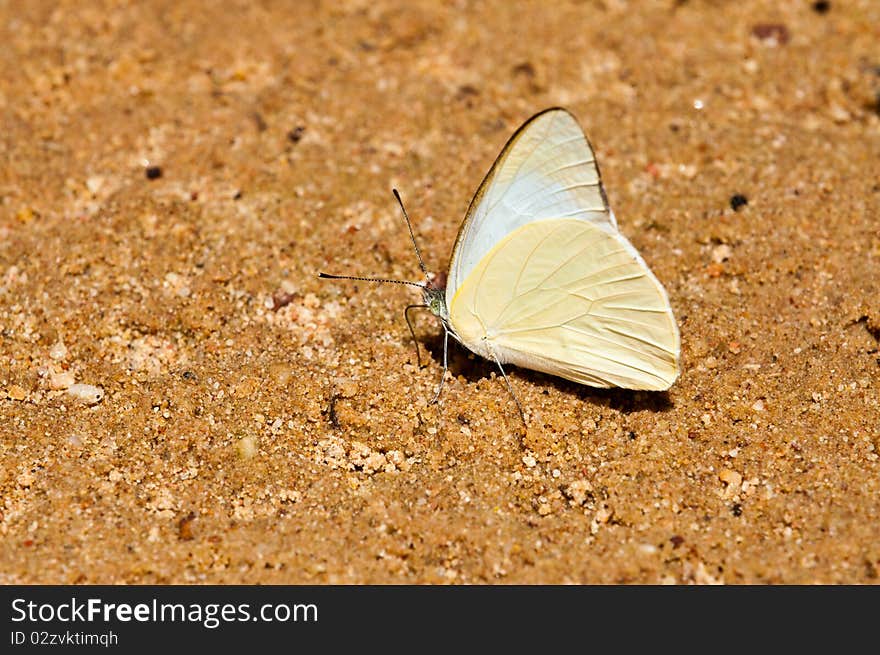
x,y
412,331
510,389
443,376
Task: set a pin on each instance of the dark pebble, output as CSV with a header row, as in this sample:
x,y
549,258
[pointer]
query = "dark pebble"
x,y
737,201
296,134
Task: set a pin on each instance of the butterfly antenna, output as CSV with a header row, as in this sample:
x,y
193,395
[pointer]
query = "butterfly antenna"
x,y
411,234
381,280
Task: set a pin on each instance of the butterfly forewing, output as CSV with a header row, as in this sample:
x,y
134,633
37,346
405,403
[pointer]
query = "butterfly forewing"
x,y
546,170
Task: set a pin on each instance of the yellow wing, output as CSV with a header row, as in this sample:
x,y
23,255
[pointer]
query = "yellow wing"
x,y
570,298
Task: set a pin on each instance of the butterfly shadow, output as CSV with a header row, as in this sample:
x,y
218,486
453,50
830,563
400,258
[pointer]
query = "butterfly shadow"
x,y
474,368
460,360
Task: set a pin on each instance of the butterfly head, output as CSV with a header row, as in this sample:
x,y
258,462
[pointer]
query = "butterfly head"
x,y
435,299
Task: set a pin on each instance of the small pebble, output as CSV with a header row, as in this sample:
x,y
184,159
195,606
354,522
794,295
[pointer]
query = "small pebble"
x,y
346,387
247,447
86,393
603,514
58,351
94,184
731,478
821,6
715,270
63,380
281,373
153,172
529,461
15,392
578,491
771,34
296,134
721,253
738,200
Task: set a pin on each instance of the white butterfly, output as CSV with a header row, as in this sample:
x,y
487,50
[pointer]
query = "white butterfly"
x,y
541,277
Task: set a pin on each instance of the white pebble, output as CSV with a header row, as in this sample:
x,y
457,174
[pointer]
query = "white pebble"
x,y
94,184
721,253
86,393
58,351
63,380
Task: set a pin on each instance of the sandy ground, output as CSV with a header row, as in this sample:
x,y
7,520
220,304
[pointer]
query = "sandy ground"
x,y
174,174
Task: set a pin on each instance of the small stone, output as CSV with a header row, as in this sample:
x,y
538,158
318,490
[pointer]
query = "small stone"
x,y
280,373
711,362
296,134
758,405
734,347
86,393
688,171
247,447
578,491
373,462
346,387
94,184
737,201
715,270
603,515
62,380
25,215
731,478
58,351
289,496
529,461
721,253
544,509
15,392
185,527
771,34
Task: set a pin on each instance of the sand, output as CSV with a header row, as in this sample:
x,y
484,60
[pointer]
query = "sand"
x,y
174,174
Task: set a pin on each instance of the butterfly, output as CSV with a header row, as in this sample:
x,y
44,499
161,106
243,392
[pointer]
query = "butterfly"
x,y
541,277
